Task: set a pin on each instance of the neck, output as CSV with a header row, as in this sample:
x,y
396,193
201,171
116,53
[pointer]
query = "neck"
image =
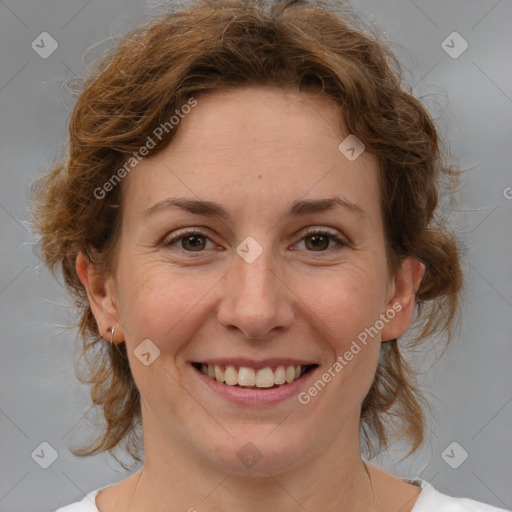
x,y
175,477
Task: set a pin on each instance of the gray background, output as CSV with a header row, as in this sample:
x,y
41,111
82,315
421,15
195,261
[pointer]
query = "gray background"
x,y
469,388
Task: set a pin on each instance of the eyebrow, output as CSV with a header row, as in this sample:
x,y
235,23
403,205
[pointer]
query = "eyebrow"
x,y
210,209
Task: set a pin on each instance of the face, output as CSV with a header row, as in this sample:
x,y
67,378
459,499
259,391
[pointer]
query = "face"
x,y
252,242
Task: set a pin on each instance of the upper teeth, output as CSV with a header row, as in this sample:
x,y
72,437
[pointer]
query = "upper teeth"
x,y
244,376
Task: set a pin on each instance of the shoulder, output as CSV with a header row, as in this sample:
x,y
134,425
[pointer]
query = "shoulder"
x,y
431,500
88,504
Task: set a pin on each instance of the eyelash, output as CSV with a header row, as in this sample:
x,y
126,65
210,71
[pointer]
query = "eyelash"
x,y
310,232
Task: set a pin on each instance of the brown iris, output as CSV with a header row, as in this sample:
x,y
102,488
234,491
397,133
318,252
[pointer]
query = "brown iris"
x,y
318,242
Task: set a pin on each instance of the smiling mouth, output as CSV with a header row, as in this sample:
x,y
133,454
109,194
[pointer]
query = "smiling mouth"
x,y
251,378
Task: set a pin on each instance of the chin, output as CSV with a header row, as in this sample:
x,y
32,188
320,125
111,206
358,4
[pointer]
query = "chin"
x,y
259,452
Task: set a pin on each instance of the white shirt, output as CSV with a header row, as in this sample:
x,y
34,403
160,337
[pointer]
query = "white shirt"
x,y
429,500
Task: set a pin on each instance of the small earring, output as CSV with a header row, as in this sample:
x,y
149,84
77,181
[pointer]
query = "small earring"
x,y
111,330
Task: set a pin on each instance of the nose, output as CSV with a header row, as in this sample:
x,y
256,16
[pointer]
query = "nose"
x,y
256,300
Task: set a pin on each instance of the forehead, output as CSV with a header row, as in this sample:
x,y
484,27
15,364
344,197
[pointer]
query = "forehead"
x,y
264,146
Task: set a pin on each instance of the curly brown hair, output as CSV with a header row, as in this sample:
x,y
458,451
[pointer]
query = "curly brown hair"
x,y
315,47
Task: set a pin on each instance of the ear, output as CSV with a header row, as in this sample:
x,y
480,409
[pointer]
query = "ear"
x,y
101,295
402,298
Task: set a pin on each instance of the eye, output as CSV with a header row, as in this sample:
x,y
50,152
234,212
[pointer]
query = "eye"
x,y
191,241
319,240
315,240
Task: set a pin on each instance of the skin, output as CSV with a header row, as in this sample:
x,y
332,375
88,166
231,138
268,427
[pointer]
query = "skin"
x,y
253,151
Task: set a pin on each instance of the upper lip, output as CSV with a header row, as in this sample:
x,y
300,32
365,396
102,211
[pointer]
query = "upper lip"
x,y
252,363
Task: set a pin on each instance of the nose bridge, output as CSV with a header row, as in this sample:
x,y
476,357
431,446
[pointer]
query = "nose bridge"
x,y
255,278
255,283
255,300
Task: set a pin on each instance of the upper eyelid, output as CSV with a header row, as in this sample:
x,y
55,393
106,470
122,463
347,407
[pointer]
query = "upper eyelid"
x,y
182,233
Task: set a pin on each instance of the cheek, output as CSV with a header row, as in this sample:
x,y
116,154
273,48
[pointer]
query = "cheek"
x,y
163,304
346,309
345,302
164,308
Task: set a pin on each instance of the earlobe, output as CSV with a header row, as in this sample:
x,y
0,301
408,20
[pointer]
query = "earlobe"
x,y
99,295
406,284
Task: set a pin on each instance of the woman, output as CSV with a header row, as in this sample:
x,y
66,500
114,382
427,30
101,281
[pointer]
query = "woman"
x,y
247,219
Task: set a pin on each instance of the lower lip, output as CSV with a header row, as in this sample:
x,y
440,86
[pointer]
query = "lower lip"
x,y
243,396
